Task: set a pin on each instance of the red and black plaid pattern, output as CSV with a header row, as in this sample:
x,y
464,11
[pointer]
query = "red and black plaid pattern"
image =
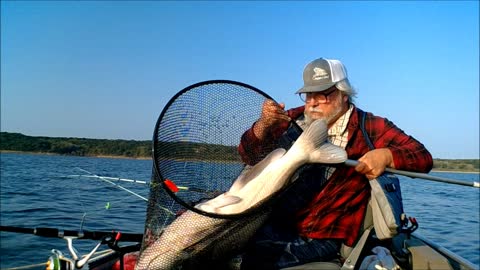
x,y
338,210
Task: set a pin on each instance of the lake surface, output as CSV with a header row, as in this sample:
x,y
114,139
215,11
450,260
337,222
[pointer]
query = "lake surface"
x,y
36,191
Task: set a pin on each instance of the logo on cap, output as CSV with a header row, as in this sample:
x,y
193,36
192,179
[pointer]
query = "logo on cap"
x,y
320,74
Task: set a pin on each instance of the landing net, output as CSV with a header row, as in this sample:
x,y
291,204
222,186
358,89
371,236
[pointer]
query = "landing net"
x,y
196,158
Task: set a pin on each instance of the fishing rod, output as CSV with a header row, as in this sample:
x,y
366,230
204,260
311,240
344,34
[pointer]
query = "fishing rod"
x,y
109,178
56,233
125,189
116,185
90,175
59,261
353,163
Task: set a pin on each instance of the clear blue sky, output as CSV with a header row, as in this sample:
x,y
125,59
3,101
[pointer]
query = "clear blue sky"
x,y
105,69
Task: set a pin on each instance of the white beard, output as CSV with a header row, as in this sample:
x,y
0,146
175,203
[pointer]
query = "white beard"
x,y
328,118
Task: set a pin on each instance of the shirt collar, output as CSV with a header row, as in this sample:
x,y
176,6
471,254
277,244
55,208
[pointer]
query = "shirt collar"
x,y
340,126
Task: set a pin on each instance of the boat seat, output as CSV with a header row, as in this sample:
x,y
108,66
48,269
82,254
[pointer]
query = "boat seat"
x,y
350,255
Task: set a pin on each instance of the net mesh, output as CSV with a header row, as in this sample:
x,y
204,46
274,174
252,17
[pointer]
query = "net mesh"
x,y
196,158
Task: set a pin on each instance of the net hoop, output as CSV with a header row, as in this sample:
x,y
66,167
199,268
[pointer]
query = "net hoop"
x,y
159,172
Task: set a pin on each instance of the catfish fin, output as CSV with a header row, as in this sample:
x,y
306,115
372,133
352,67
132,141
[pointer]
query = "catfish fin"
x,y
313,142
227,200
218,202
313,136
328,153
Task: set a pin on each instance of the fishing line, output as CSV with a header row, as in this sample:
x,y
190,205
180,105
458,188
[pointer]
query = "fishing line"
x,y
94,212
83,207
106,179
109,178
134,181
108,204
82,222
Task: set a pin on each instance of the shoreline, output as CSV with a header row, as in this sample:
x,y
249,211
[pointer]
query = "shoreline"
x,y
149,158
54,154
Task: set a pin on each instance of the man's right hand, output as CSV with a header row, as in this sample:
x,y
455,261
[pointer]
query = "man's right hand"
x,y
273,115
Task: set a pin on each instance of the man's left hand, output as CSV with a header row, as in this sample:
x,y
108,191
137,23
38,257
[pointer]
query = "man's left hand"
x,y
374,162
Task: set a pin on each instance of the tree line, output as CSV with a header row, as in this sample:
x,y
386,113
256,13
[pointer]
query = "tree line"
x,y
116,148
75,146
468,165
142,149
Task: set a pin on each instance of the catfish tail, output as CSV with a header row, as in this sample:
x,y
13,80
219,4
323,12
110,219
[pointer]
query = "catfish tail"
x,y
313,143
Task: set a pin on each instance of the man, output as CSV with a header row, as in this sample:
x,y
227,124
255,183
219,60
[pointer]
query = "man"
x,y
328,205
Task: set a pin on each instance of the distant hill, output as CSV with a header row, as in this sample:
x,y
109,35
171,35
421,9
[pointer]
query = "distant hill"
x,y
464,165
114,148
74,146
142,149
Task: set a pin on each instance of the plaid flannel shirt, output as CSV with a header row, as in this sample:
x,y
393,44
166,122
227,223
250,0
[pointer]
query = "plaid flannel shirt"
x,y
337,211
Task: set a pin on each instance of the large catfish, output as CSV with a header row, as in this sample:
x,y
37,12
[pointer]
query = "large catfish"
x,y
194,241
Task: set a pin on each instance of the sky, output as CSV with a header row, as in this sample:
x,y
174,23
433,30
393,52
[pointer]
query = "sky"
x,y
106,69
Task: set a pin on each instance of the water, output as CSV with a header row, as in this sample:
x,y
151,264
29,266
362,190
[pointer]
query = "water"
x,y
448,214
35,192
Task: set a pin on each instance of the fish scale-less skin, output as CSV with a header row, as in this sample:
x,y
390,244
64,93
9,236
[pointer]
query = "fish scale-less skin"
x,y
182,233
310,147
217,204
192,235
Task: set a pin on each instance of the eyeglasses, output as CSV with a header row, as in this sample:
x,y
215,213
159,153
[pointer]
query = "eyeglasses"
x,y
320,97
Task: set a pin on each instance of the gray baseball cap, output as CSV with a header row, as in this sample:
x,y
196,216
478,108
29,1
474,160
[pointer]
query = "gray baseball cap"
x,y
321,74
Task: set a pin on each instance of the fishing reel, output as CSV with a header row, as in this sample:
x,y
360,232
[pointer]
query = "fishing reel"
x,y
58,261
